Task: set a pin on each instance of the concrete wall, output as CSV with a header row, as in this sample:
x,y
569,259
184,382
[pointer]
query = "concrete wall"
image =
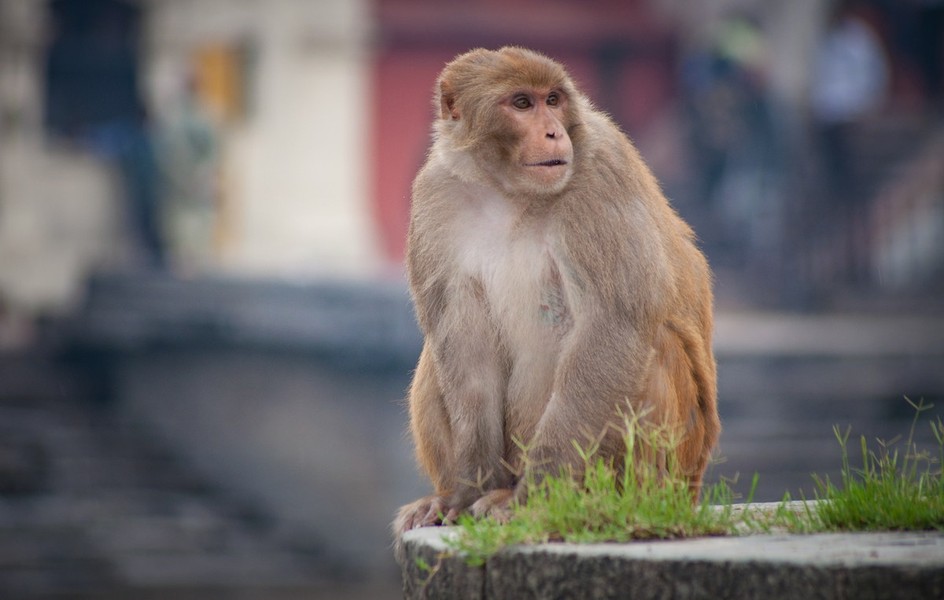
x,y
59,218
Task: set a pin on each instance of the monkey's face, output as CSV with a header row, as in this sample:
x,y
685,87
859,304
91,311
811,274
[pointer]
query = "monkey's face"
x,y
540,153
507,118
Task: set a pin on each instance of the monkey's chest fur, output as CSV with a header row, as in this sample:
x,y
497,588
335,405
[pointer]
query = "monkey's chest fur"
x,y
518,265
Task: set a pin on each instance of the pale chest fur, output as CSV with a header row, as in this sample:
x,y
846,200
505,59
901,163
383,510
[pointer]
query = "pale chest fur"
x,y
517,262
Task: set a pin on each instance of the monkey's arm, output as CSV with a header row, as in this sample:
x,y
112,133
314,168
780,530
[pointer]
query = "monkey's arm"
x,y
619,287
604,369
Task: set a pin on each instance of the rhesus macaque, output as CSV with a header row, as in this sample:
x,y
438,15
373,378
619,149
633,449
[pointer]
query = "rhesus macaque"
x,y
554,286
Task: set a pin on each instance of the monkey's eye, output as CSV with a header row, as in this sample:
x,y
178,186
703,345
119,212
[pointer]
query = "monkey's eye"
x,y
553,99
521,102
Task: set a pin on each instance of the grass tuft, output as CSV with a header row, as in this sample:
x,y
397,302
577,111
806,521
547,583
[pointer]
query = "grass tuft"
x,y
895,489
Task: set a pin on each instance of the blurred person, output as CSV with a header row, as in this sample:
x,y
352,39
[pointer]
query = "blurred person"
x,y
734,142
188,151
849,83
92,99
127,143
930,42
919,32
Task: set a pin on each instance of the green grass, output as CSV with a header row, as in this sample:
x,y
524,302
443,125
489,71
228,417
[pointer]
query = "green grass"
x,y
894,489
607,504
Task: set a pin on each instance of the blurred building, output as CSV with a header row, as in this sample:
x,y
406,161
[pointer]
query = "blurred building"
x,y
222,136
280,138
285,84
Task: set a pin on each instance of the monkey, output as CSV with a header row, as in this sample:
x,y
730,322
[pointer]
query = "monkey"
x,y
553,284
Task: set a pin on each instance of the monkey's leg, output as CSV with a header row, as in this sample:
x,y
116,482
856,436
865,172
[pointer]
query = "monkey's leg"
x,y
472,376
604,363
429,425
681,394
688,370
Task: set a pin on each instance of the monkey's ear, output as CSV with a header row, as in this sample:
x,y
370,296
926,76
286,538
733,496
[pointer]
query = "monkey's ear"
x,y
447,99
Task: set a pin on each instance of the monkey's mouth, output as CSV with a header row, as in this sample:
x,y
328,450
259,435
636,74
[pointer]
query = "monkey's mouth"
x,y
555,162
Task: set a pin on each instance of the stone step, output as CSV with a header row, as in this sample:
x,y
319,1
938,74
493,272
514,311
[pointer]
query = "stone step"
x,y
91,505
861,565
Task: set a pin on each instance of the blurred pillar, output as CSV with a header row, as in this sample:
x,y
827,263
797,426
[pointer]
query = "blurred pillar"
x,y
288,80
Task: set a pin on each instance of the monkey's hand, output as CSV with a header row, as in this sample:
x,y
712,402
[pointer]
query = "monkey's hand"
x,y
496,504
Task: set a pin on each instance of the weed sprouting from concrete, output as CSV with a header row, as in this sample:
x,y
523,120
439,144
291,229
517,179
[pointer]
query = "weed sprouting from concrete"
x,y
896,488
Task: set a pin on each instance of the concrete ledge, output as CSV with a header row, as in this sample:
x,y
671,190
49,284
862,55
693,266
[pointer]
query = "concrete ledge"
x,y
860,566
363,325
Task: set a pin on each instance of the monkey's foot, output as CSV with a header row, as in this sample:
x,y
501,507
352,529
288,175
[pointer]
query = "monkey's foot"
x,y
430,510
495,504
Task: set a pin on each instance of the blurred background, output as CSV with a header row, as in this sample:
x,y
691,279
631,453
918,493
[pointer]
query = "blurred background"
x,y
205,334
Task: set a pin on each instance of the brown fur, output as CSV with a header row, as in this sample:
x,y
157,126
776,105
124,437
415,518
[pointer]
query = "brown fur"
x,y
548,297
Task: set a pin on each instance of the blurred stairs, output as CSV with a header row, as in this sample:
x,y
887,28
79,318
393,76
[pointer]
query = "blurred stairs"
x,y
91,507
